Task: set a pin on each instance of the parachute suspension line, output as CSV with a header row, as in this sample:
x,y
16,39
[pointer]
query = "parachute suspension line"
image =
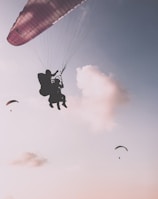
x,y
58,52
79,34
63,69
57,42
61,72
63,36
39,59
54,52
75,36
70,34
76,49
84,20
74,31
46,49
62,39
54,43
60,42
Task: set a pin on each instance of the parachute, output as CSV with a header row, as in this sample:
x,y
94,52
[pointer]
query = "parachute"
x,y
125,148
37,16
11,101
121,147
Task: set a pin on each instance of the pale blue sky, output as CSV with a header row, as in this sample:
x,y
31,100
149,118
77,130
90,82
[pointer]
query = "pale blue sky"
x,y
118,36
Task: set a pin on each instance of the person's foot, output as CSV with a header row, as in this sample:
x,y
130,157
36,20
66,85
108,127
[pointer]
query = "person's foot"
x,y
58,106
64,105
51,105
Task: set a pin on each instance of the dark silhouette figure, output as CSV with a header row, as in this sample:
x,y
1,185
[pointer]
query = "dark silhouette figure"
x,y
46,82
56,95
52,88
48,77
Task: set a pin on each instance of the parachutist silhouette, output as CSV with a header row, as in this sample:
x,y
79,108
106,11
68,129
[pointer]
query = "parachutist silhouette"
x,y
56,95
46,82
48,76
53,89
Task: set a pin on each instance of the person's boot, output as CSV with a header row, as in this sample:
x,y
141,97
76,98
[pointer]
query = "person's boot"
x,y
58,106
64,104
51,105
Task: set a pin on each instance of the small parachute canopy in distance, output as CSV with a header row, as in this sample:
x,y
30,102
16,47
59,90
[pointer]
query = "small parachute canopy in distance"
x,y
121,147
11,101
37,16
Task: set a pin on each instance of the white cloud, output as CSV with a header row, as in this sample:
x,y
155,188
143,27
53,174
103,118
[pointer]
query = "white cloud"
x,y
101,96
30,159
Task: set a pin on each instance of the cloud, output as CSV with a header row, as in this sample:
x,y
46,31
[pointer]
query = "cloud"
x,y
30,159
101,96
9,197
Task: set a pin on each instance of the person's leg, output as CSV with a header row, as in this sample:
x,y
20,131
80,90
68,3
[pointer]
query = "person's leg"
x,y
64,100
50,101
58,105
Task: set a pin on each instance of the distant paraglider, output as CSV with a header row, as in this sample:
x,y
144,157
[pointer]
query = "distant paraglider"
x,y
120,146
37,16
11,101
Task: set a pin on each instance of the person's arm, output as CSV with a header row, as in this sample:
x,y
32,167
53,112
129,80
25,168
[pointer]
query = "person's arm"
x,y
55,73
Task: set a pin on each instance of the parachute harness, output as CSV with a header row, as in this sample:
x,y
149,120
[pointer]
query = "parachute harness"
x,y
60,75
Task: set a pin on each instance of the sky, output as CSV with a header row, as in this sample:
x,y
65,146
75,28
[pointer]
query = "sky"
x,y
110,83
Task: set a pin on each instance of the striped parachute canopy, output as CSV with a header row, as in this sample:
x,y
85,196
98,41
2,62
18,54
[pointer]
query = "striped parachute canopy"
x,y
37,16
11,101
121,147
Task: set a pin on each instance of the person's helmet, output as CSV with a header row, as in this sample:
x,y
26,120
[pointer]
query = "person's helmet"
x,y
48,72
